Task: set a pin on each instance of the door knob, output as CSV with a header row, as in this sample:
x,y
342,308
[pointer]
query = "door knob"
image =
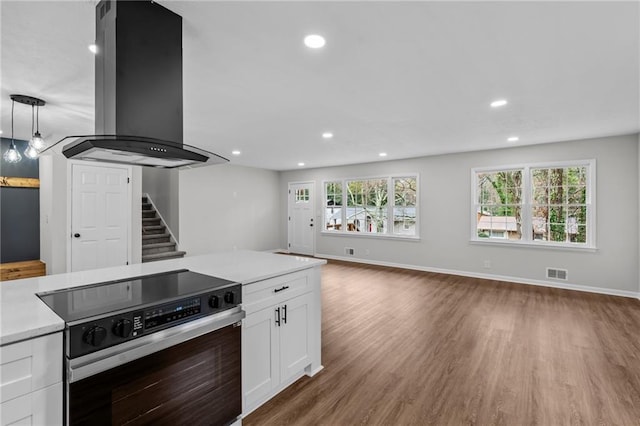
x,y
311,224
76,235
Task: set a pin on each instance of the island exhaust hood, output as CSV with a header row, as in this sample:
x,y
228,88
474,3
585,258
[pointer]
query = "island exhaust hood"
x,y
138,93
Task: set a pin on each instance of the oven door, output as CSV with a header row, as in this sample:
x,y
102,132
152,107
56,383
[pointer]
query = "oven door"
x,y
189,374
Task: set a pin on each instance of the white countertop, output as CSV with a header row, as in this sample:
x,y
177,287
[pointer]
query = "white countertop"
x,y
23,315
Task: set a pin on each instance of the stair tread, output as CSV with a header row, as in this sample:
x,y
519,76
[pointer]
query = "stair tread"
x,y
158,245
152,227
150,236
163,255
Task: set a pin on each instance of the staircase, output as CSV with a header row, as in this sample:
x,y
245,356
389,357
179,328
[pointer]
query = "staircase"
x,y
157,242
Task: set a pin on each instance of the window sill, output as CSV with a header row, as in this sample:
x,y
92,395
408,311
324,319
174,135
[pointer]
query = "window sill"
x,y
369,235
540,245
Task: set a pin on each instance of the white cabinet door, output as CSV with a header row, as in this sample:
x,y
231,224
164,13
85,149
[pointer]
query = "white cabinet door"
x,y
42,407
295,352
260,346
31,382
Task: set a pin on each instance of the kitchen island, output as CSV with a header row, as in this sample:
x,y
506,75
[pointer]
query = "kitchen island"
x,y
28,327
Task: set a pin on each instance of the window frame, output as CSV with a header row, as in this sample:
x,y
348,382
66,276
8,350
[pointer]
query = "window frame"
x,y
390,179
527,205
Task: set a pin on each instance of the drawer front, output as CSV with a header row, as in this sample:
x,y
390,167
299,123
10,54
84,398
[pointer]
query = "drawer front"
x,y
30,365
262,294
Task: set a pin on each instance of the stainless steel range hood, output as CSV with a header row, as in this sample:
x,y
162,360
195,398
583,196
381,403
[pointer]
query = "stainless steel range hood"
x,y
138,90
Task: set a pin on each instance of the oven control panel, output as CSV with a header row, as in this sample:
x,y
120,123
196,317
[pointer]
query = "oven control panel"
x,y
95,334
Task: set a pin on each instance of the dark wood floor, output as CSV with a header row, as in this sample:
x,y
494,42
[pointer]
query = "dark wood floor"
x,y
406,347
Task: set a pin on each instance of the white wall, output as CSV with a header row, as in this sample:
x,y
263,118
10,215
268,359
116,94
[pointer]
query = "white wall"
x,y
224,207
162,185
55,190
445,211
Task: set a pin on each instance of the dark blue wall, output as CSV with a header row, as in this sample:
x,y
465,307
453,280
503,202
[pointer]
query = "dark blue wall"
x,y
19,210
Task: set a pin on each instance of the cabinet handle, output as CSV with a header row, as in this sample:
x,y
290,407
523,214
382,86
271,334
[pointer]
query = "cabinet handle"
x,y
284,314
277,290
278,317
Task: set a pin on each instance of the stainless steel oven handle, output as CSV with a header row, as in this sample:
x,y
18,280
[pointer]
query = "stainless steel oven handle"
x,y
106,359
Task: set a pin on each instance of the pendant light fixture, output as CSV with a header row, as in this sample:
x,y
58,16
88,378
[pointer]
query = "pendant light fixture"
x,y
36,141
36,144
12,155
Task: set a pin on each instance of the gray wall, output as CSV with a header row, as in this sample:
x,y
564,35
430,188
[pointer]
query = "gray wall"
x,y
19,209
445,216
162,185
226,207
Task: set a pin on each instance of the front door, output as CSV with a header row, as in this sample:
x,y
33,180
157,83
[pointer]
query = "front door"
x,y
100,216
301,224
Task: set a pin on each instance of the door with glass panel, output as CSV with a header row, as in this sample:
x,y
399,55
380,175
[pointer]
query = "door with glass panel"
x,y
301,218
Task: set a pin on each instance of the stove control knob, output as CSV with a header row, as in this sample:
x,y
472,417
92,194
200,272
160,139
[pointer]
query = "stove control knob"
x,y
122,328
229,297
94,336
214,302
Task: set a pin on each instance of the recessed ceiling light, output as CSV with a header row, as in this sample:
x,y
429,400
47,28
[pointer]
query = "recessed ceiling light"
x,y
300,164
314,41
513,139
236,152
498,103
327,135
93,48
383,154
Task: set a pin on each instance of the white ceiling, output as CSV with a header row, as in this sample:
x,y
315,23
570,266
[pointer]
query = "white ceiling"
x,y
406,78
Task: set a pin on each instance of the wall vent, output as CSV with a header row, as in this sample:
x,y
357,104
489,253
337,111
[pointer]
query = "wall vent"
x,y
350,251
557,274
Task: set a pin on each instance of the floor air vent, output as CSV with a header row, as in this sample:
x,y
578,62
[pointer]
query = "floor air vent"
x,y
557,274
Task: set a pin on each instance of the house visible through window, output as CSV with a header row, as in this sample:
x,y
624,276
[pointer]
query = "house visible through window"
x,y
368,205
536,204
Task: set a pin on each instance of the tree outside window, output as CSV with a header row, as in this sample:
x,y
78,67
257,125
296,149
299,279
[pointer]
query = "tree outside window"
x,y
499,207
367,205
333,206
364,206
559,207
541,204
404,206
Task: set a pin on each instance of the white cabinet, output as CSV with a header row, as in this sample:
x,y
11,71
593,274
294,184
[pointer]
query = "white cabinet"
x,y
295,332
280,334
31,382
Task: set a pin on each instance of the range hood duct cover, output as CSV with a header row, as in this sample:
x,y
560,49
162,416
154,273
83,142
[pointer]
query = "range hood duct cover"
x,y
138,90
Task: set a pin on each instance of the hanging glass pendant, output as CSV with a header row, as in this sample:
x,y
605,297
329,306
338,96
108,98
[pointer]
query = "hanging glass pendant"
x,y
12,155
31,152
37,142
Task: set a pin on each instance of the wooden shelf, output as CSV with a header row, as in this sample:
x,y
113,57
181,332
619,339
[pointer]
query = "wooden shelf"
x,y
26,269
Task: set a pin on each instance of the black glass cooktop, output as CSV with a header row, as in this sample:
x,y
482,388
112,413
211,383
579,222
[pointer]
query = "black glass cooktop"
x,y
132,293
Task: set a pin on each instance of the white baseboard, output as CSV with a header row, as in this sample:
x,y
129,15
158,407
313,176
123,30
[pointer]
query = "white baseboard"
x,y
517,280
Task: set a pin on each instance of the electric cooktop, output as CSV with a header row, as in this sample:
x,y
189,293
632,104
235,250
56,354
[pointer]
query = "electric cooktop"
x,y
99,299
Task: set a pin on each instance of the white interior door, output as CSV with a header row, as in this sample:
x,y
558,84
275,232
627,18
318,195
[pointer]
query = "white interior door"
x,y
301,224
100,216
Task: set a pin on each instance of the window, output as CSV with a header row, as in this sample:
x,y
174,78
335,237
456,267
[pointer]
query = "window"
x,y
499,208
404,209
537,204
302,195
559,204
368,205
333,206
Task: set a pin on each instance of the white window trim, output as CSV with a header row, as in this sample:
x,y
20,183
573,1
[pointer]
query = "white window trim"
x,y
527,240
390,205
